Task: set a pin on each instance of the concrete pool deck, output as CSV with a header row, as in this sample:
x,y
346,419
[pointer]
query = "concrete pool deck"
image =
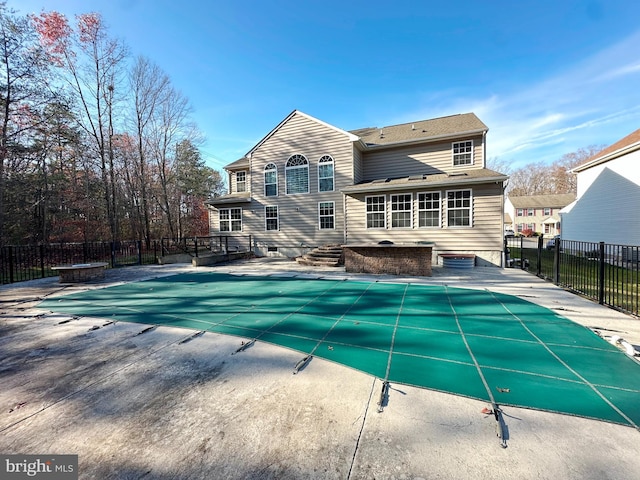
x,y
149,405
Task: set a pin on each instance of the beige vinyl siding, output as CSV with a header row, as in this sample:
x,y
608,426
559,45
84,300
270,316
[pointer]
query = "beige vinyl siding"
x,y
417,160
298,213
358,173
484,235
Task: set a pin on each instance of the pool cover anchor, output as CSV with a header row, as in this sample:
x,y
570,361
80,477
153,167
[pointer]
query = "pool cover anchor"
x,y
501,427
384,396
244,346
302,363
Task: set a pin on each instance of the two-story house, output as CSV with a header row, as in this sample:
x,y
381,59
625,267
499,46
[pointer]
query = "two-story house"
x,y
308,183
536,213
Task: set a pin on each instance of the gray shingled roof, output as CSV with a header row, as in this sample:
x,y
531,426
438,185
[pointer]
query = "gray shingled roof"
x,y
422,130
479,175
239,164
541,201
241,197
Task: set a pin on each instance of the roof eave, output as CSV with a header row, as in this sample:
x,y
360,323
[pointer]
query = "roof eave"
x,y
605,158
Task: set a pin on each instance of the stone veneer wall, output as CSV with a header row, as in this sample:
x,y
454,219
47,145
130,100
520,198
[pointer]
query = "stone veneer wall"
x,y
388,259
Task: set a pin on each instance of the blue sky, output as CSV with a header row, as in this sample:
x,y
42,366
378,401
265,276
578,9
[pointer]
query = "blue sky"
x,y
547,77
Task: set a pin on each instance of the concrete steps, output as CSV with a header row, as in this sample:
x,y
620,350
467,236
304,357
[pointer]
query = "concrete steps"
x,y
325,256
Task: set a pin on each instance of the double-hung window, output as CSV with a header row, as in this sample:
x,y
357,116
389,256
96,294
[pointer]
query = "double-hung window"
x,y
462,153
429,212
401,210
459,207
241,182
230,219
375,211
271,180
520,212
530,212
326,215
271,219
297,175
325,174
547,211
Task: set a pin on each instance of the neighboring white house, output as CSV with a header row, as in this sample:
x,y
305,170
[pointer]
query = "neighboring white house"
x,y
607,208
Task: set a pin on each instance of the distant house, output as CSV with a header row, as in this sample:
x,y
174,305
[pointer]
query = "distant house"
x,y
536,213
308,183
607,208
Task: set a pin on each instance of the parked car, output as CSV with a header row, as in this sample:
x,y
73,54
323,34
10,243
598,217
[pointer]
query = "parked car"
x,y
509,234
551,244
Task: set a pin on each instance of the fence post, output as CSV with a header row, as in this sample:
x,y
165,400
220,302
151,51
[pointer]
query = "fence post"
x,y
522,253
556,261
601,275
226,247
10,264
42,261
539,260
113,254
139,245
196,246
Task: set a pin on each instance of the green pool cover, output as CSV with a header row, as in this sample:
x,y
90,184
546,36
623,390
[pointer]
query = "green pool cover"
x,y
479,344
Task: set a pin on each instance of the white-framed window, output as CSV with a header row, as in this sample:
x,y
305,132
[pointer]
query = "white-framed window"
x,y
241,182
271,219
230,219
520,227
375,211
459,208
531,226
429,209
297,175
547,228
547,211
520,212
401,210
271,180
462,152
325,174
326,215
531,212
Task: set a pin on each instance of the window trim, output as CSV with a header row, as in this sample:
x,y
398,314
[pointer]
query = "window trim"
x,y
230,221
288,168
520,212
323,161
531,212
383,211
392,211
267,169
547,211
333,215
267,218
439,193
462,153
469,208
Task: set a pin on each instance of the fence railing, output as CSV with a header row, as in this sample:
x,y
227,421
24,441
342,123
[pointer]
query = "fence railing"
x,y
606,273
29,262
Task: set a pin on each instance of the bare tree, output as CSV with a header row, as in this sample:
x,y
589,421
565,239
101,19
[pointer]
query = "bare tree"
x,y
93,64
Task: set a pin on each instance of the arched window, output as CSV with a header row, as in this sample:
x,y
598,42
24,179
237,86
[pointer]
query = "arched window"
x,y
325,174
297,175
271,180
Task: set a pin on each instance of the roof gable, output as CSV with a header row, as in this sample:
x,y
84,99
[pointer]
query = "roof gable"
x,y
628,144
351,137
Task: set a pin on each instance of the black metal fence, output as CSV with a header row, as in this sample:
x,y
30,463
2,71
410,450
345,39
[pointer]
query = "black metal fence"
x,y
606,273
28,262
